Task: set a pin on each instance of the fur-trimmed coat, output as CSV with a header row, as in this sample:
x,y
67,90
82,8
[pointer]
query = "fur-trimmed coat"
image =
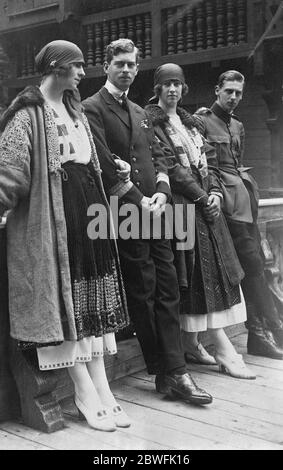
x,y
181,179
31,188
187,187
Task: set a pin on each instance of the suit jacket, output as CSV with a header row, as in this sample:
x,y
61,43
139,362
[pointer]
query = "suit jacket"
x,y
131,137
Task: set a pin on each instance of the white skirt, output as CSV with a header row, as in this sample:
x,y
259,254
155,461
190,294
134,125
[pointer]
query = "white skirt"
x,y
231,316
70,352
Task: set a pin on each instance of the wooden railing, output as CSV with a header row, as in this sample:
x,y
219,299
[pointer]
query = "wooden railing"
x,y
178,28
204,25
194,31
24,7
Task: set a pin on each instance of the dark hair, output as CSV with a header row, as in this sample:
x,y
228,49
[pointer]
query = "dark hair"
x,y
157,89
120,46
58,70
230,75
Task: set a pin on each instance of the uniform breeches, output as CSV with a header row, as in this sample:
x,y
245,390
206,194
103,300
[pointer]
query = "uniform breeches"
x,y
153,299
246,238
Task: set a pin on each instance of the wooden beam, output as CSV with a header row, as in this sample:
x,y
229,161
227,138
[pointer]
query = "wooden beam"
x,y
116,13
194,57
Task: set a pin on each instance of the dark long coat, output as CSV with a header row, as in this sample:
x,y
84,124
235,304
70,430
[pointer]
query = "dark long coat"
x,y
212,239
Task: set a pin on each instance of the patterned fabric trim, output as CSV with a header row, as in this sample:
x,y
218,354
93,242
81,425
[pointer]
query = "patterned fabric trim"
x,y
162,177
14,145
25,345
217,194
61,365
189,146
121,188
98,307
54,159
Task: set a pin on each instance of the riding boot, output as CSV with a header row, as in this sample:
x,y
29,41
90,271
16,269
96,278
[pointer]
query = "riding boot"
x,y
278,336
257,293
261,341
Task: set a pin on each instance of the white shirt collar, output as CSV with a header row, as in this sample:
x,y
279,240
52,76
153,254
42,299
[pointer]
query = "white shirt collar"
x,y
114,91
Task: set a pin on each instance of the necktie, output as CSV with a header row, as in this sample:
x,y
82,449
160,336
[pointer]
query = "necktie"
x,y
124,103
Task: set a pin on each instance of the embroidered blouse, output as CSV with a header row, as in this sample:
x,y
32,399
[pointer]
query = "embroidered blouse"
x,y
73,140
192,143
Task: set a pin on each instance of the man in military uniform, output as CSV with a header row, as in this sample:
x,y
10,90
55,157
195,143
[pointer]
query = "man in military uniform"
x,y
226,133
121,127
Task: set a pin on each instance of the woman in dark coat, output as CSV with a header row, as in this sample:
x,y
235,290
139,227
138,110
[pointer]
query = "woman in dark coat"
x,y
209,273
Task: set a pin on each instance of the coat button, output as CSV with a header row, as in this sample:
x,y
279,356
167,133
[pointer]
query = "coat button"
x,y
137,171
134,159
150,147
138,183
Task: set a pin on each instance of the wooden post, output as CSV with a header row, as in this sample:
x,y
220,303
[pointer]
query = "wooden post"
x,y
156,34
39,406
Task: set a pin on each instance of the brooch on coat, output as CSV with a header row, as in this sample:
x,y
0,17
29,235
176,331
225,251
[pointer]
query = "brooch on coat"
x,y
145,123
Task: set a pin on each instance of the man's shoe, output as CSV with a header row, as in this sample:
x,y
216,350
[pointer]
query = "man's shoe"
x,y
182,387
160,385
263,344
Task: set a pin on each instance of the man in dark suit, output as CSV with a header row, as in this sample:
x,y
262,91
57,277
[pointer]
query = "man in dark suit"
x,y
121,127
240,205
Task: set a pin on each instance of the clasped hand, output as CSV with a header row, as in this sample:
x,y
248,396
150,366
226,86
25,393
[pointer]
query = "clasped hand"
x,y
155,204
212,210
123,170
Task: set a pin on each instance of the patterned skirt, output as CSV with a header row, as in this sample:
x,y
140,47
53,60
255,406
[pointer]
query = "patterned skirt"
x,y
208,288
97,286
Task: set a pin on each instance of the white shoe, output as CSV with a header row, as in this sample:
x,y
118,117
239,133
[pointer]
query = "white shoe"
x,y
234,366
119,416
96,419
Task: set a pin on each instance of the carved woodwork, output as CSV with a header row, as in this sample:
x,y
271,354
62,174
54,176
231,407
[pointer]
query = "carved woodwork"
x,y
272,249
25,391
131,32
180,39
98,43
170,32
89,56
209,24
39,407
114,30
241,30
200,43
230,22
182,27
147,33
220,23
189,28
139,32
121,28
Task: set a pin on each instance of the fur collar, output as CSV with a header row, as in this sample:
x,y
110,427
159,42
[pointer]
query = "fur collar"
x,y
159,117
30,96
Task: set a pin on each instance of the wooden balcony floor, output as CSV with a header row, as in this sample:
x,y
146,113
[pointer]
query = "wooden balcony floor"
x,y
245,414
